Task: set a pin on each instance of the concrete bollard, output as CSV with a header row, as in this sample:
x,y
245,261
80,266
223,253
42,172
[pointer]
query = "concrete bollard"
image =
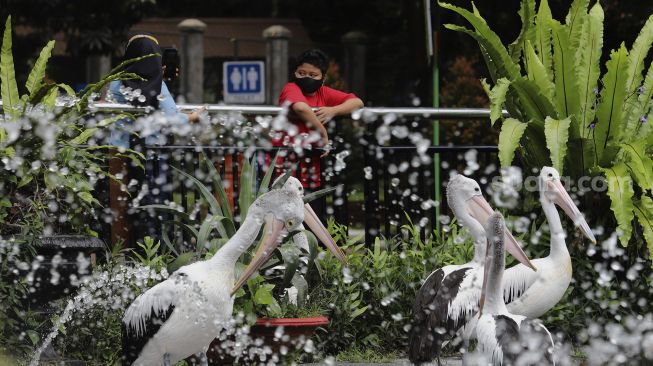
x,y
355,44
97,67
192,60
276,60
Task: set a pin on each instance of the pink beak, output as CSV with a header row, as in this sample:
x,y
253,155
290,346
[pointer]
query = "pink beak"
x,y
481,211
273,229
562,199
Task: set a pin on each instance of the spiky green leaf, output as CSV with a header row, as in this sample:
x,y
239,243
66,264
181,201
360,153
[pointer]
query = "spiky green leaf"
x,y
644,212
635,111
543,36
265,182
557,134
497,96
609,112
182,260
320,193
574,20
35,77
279,182
527,33
567,102
633,154
290,254
50,99
204,191
489,40
620,191
83,137
218,186
247,193
637,55
300,283
511,132
9,90
587,69
207,226
537,72
532,102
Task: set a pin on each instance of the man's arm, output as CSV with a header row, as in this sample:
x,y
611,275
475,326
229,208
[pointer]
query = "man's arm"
x,y
305,112
325,114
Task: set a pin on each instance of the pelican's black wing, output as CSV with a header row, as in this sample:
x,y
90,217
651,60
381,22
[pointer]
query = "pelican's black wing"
x,y
527,343
431,325
147,314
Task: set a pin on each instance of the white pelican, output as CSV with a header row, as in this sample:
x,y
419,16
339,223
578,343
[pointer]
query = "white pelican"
x,y
450,295
531,293
180,316
504,337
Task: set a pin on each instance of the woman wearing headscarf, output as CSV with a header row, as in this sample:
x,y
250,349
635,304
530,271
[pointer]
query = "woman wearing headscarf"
x,y
151,91
148,91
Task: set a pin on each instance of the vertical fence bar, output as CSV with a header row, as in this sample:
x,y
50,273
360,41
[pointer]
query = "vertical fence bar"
x,y
371,187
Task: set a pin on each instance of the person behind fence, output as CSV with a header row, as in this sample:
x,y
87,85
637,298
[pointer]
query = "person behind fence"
x,y
148,91
305,92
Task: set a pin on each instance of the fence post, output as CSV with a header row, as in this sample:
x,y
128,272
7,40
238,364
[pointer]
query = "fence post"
x,y
276,60
355,44
372,174
97,66
192,59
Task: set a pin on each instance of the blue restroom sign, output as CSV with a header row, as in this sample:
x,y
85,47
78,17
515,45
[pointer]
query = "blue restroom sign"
x,y
243,81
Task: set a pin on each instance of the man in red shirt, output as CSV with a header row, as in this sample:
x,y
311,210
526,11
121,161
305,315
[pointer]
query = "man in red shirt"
x,y
305,92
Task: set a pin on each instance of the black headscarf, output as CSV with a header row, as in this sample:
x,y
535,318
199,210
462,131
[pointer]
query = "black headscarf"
x,y
149,69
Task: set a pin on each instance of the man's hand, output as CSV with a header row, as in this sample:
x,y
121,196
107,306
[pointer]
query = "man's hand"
x,y
326,145
194,116
325,114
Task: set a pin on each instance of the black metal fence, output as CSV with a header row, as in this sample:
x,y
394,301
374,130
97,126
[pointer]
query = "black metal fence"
x,y
397,176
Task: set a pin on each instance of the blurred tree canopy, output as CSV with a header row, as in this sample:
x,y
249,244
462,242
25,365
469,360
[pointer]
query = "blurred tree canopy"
x,y
91,26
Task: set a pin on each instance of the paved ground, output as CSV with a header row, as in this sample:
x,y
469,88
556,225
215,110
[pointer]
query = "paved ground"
x,y
445,362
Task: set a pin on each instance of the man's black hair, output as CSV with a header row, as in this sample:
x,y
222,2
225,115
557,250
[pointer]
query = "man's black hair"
x,y
316,58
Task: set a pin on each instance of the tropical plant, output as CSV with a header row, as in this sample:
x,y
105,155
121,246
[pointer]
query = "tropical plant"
x,y
48,156
549,80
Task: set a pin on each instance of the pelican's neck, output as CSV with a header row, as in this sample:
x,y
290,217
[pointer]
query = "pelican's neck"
x,y
476,231
238,244
558,245
495,265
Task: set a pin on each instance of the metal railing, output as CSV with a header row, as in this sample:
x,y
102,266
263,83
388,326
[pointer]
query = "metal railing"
x,y
426,112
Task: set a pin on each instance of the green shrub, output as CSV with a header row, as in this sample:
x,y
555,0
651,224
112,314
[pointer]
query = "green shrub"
x,y
369,302
48,167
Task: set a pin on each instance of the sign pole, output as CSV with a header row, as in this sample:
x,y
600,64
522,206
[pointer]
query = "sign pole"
x,y
433,48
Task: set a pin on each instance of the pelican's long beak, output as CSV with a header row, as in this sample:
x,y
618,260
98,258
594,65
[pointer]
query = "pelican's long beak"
x,y
269,242
322,234
486,271
481,211
562,199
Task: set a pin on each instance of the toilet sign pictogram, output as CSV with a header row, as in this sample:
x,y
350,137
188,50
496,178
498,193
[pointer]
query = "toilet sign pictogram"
x,y
243,81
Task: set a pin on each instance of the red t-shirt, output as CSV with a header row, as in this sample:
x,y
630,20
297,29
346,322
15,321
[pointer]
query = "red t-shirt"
x,y
324,97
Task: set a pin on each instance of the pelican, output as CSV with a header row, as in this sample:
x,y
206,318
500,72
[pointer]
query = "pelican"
x,y
531,293
299,238
449,296
505,337
180,316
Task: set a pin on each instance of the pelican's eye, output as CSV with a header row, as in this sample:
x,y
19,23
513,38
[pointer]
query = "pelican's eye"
x,y
550,175
290,223
477,190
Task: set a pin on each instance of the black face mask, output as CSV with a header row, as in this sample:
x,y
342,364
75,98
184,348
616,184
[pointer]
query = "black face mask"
x,y
308,85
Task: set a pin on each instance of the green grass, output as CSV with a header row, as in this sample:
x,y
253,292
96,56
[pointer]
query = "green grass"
x,y
367,355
